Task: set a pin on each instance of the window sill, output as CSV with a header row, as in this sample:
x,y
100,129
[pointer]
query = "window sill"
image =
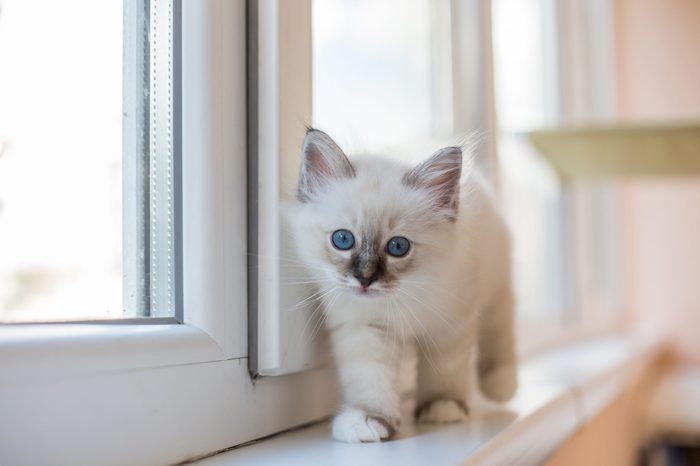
x,y
560,391
169,392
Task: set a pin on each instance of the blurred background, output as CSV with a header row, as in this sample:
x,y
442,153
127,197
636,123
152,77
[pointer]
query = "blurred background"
x,y
586,117
585,114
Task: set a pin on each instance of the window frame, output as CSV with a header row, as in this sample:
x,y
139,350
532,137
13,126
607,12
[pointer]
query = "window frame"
x,y
279,108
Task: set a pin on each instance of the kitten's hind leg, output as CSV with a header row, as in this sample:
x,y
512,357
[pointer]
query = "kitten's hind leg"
x,y
444,373
497,361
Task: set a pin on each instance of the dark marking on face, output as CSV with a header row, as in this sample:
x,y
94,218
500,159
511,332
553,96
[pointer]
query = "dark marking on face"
x,y
368,263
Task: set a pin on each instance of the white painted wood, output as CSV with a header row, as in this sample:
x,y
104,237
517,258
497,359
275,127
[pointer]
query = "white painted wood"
x,y
214,172
95,408
555,399
483,440
44,351
268,255
535,435
283,329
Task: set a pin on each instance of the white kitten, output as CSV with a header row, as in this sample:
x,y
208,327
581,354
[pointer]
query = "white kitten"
x,y
399,255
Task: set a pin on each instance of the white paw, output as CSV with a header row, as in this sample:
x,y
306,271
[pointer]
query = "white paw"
x,y
355,425
500,383
441,412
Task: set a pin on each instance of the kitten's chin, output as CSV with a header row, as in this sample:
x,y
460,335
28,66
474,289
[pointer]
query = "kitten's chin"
x,y
363,293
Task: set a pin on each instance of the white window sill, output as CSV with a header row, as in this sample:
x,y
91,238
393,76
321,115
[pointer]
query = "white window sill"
x,y
84,391
560,391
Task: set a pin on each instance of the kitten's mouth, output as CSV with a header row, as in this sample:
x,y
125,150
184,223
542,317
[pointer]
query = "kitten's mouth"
x,y
359,290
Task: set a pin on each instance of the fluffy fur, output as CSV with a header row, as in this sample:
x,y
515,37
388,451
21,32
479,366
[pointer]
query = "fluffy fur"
x,y
451,293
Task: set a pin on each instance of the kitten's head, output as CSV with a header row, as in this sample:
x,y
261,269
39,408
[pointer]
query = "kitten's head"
x,y
368,226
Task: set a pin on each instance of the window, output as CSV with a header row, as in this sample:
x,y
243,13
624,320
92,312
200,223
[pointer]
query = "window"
x,y
88,173
61,162
367,57
211,102
152,160
399,78
353,82
527,90
551,70
184,93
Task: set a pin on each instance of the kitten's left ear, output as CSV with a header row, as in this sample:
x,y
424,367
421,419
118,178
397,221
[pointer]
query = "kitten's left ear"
x,y
439,176
322,161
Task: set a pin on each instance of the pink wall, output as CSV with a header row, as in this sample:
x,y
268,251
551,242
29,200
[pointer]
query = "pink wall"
x,y
658,52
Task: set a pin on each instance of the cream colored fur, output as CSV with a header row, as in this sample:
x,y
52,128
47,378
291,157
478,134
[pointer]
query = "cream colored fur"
x,y
454,299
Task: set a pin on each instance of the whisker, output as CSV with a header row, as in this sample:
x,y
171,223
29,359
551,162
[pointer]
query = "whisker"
x,y
393,343
449,323
324,315
311,298
423,343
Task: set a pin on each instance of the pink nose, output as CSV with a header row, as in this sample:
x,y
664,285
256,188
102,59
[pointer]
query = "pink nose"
x,y
366,281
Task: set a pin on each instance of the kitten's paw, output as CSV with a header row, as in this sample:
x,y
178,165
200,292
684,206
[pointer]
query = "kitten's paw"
x,y
500,383
354,426
441,411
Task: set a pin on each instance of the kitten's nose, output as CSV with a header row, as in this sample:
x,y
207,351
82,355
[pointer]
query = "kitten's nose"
x,y
365,281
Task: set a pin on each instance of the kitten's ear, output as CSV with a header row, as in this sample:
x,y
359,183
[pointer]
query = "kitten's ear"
x,y
439,175
322,161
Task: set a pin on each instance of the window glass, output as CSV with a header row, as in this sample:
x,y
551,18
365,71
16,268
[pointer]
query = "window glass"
x,y
378,85
78,208
526,90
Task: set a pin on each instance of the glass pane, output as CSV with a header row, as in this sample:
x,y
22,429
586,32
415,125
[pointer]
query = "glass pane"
x,y
80,198
378,82
526,91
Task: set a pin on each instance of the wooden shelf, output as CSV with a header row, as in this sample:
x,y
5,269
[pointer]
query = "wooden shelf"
x,y
621,150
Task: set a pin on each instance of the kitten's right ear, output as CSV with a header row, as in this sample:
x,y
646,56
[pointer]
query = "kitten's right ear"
x,y
322,161
439,176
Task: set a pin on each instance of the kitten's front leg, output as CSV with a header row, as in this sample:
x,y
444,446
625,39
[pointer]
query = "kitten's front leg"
x,y
367,360
444,372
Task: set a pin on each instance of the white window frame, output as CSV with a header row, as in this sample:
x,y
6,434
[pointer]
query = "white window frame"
x,y
279,110
161,394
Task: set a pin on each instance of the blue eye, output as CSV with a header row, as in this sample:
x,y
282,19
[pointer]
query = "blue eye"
x,y
398,246
342,239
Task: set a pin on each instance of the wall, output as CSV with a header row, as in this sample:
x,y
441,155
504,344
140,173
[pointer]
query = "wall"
x,y
658,59
658,56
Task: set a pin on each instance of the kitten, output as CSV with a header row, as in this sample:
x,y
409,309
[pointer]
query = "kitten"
x,y
403,254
